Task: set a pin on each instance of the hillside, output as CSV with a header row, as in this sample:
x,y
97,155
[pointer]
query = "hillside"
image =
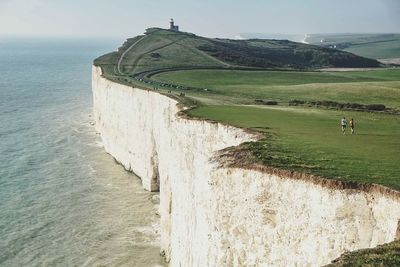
x,y
378,46
384,255
162,49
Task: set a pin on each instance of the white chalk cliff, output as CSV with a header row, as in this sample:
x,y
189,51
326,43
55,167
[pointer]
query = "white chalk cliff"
x,y
222,216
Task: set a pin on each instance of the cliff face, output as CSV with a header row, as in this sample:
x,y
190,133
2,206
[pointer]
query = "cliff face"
x,y
220,216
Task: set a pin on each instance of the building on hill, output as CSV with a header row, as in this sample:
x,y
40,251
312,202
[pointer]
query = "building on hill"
x,y
173,27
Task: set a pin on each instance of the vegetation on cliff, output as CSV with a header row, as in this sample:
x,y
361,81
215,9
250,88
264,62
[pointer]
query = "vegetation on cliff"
x,y
385,255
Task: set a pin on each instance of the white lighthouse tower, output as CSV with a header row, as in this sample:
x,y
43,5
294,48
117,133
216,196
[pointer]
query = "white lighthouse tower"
x,y
173,27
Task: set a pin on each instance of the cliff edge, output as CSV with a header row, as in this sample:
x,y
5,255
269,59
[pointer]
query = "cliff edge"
x,y
220,215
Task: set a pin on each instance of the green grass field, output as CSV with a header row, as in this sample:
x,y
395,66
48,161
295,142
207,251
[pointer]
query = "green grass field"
x,y
243,87
387,49
384,255
378,46
310,140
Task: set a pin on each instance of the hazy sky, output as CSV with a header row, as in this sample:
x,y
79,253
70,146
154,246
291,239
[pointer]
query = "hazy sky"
x,y
224,18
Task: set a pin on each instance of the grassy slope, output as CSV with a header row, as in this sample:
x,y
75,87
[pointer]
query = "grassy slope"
x,y
367,45
387,49
385,255
310,140
161,49
365,87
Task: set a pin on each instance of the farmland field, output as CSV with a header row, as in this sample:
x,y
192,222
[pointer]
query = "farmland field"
x,y
378,46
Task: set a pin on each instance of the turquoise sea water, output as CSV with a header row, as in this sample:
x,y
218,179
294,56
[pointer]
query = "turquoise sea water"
x,y
63,200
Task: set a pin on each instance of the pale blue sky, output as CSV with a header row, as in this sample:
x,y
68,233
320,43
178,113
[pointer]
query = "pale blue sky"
x,y
224,18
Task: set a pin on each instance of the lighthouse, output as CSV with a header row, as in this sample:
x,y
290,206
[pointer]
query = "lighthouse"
x,y
173,27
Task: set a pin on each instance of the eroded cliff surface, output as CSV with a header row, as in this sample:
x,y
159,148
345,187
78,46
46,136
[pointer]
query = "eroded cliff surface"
x,y
225,216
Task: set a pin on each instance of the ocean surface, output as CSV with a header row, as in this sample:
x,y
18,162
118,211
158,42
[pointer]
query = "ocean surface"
x,y
63,200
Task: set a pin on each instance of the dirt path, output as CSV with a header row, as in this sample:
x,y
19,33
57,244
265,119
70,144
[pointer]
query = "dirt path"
x,y
349,69
125,52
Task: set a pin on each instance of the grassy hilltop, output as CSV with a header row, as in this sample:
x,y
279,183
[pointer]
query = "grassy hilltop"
x,y
163,49
274,87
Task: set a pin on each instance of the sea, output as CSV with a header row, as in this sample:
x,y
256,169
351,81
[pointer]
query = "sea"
x,y
63,200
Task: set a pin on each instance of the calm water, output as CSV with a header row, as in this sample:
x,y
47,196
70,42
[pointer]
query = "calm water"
x,y
63,200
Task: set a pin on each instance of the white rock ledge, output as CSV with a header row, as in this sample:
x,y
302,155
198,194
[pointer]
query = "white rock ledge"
x,y
219,216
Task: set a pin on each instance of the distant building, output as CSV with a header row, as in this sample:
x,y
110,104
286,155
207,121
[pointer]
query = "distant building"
x,y
173,27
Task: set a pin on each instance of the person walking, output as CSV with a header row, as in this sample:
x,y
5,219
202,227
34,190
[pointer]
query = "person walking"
x,y
352,125
343,123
